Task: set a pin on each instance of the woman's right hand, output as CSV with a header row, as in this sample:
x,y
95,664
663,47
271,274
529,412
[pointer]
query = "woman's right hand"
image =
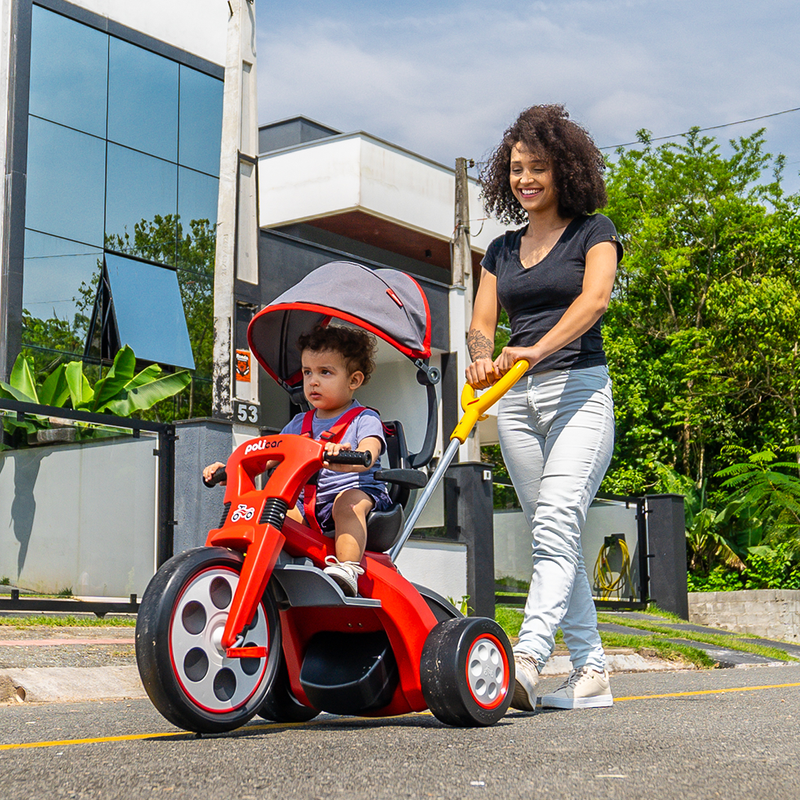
x,y
482,373
211,469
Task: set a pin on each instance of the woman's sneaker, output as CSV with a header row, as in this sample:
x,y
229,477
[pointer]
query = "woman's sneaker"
x,y
584,688
526,678
345,573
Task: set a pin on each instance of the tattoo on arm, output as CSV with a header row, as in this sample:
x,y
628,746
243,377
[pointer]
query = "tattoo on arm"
x,y
478,345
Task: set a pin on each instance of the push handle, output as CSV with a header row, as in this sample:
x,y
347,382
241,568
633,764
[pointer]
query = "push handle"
x,y
218,476
474,406
359,458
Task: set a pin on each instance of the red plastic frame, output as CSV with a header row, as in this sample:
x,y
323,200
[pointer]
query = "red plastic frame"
x,y
404,615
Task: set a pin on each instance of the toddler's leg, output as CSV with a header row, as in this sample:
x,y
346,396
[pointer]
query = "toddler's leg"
x,y
350,509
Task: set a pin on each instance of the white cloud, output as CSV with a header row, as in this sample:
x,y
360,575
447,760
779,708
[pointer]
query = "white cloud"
x,y
444,79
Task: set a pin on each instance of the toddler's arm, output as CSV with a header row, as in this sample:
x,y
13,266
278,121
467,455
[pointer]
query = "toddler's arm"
x,y
211,469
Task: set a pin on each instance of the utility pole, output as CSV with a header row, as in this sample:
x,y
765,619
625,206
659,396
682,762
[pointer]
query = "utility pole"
x,y
462,279
237,215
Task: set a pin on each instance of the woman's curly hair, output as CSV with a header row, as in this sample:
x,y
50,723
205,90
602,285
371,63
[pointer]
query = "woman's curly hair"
x,y
355,346
576,162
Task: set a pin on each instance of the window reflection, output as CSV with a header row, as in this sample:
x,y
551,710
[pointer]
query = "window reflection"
x,y
58,292
200,121
109,123
69,65
198,195
197,294
66,174
148,311
142,100
141,204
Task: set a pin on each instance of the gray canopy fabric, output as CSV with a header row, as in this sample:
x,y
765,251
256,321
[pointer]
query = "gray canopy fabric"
x,y
386,302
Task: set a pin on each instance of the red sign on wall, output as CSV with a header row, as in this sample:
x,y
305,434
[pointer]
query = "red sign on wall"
x,y
243,365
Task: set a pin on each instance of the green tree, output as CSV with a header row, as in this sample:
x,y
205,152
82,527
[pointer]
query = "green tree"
x,y
702,333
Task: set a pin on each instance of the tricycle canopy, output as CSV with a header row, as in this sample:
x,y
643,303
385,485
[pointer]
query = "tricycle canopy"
x,y
385,302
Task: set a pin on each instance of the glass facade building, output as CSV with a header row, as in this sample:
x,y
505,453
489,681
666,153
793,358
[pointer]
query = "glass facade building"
x,y
123,150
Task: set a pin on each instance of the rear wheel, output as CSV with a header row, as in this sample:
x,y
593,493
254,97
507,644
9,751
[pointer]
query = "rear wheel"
x,y
467,671
280,704
179,653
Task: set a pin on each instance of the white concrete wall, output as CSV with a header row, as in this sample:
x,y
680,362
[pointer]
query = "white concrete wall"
x,y
513,546
80,516
196,26
441,566
356,171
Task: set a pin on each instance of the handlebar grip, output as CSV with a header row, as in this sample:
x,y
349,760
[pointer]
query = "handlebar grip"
x,y
474,405
360,458
218,476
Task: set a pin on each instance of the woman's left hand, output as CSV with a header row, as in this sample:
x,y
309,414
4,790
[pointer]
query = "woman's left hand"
x,y
510,355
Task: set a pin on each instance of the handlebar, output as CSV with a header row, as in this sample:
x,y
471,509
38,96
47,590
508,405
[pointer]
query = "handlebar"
x,y
474,406
359,458
218,477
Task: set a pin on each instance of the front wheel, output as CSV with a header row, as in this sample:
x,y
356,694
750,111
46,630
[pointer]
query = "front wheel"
x,y
179,653
467,672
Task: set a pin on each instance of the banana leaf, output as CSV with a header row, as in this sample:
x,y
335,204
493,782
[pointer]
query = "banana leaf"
x,y
147,395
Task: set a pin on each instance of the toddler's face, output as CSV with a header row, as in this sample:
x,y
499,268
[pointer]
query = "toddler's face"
x,y
327,384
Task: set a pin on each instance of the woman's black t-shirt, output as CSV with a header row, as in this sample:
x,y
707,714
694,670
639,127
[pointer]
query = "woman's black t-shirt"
x,y
536,298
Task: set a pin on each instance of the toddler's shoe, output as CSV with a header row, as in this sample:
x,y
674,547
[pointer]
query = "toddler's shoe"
x,y
526,678
345,573
584,688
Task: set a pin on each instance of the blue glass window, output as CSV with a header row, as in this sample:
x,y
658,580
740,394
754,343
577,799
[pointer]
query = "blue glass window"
x,y
198,196
142,191
142,100
110,122
60,283
148,311
200,121
69,66
66,178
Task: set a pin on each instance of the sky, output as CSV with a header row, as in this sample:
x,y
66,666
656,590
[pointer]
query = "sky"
x,y
444,78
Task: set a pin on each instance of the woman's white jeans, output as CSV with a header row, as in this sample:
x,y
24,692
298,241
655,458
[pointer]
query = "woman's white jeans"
x,y
557,436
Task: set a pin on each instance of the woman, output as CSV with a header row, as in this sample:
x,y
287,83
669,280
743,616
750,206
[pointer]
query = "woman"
x,y
554,277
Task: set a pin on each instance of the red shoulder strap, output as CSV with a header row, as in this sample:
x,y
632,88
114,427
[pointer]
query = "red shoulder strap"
x,y
337,431
333,435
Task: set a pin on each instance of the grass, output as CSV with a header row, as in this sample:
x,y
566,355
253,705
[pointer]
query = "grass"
x,y
657,643
68,622
730,641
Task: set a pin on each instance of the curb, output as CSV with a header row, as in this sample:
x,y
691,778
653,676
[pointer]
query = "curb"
x,y
83,684
70,684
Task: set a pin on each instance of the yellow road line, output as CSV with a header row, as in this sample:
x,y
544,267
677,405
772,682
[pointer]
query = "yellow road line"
x,y
269,726
133,737
706,691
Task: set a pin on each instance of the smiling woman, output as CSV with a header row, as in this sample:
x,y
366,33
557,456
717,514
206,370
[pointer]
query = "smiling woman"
x,y
554,277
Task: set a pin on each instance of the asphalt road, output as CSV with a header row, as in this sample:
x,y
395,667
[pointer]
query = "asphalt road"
x,y
728,734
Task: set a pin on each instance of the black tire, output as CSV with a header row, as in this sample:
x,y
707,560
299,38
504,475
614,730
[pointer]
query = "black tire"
x,y
467,672
280,705
180,622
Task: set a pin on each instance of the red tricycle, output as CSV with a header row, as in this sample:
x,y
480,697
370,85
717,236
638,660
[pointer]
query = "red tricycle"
x,y
250,624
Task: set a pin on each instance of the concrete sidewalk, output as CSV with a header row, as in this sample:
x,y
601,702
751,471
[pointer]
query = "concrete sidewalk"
x,y
56,664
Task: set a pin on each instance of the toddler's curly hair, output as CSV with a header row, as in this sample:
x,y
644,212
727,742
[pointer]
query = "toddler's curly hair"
x,y
356,347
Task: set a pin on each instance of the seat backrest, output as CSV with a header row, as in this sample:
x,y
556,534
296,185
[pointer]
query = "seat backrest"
x,y
397,456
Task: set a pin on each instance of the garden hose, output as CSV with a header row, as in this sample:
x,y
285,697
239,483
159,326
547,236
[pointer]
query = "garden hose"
x,y
604,579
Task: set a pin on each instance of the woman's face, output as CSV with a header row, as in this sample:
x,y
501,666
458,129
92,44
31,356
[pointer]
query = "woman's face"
x,y
531,180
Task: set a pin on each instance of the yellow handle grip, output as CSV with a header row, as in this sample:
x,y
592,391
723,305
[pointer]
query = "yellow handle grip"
x,y
475,406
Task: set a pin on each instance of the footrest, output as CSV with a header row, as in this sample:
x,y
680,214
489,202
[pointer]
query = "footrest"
x,y
246,652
